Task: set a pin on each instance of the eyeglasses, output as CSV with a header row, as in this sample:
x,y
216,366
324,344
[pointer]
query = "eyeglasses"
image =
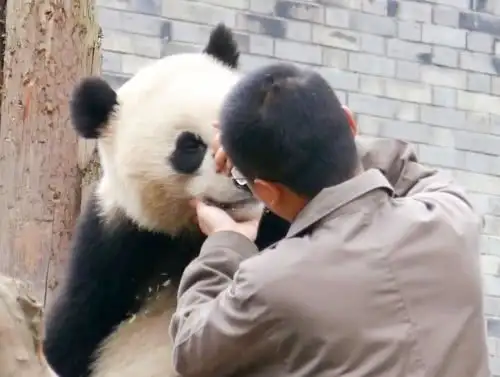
x,y
239,180
238,177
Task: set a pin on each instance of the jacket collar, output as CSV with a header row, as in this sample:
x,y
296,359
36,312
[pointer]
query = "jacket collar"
x,y
333,198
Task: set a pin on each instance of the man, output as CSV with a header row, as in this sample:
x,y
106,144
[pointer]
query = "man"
x,y
377,276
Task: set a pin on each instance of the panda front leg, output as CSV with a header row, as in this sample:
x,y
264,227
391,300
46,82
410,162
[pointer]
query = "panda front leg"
x,y
111,265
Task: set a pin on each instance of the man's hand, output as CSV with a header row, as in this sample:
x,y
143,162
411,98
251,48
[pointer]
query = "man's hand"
x,y
222,162
212,219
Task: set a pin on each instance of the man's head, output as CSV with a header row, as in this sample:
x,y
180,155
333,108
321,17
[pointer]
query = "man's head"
x,y
286,132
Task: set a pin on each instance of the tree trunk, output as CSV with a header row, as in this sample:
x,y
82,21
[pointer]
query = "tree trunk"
x,y
3,4
50,45
20,318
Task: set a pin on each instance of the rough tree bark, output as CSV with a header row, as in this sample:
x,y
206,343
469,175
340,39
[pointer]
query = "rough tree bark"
x,y
20,317
3,4
50,45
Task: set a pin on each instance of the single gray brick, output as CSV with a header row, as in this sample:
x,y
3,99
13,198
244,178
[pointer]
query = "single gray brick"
x,y
368,125
249,62
407,111
409,10
172,48
494,205
373,85
475,61
445,56
373,44
460,4
491,225
372,64
445,16
128,43
350,4
371,105
337,17
495,85
196,11
412,132
237,4
411,31
494,364
132,63
480,42
408,70
493,327
339,79
374,6
481,22
439,156
145,6
115,80
408,91
492,304
382,107
333,57
344,39
111,61
141,6
261,25
189,32
341,96
445,97
477,182
478,82
443,137
480,203
298,30
443,35
479,162
243,41
406,50
299,10
298,52
129,21
442,116
495,124
441,76
261,45
109,18
373,24
478,122
477,142
260,6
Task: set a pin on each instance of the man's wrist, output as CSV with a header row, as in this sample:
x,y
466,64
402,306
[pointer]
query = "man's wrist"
x,y
236,228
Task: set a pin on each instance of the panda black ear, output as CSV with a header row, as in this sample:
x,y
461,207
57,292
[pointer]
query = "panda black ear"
x,y
91,105
222,46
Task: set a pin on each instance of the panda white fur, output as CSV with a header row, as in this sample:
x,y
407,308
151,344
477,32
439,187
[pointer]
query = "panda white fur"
x,y
135,235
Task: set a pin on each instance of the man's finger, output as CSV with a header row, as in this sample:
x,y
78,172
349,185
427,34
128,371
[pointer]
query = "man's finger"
x,y
220,159
215,145
216,125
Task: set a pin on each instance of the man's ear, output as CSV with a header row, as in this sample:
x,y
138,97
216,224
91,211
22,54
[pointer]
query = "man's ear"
x,y
267,192
350,118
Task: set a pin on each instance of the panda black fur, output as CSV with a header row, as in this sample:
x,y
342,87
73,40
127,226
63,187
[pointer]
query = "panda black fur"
x,y
135,235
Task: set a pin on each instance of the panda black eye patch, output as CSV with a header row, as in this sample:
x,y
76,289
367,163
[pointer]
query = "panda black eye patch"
x,y
189,152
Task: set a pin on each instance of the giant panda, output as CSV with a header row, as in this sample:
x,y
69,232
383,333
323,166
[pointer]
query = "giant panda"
x,y
136,235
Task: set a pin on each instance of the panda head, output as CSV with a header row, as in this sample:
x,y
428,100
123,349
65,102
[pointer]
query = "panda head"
x,y
154,136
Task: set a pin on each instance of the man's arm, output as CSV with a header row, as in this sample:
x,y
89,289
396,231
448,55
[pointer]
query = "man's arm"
x,y
221,322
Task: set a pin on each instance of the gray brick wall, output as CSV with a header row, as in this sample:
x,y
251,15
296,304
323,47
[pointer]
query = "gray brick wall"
x,y
424,71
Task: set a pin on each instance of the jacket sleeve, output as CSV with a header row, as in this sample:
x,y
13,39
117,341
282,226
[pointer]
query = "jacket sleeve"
x,y
398,162
221,322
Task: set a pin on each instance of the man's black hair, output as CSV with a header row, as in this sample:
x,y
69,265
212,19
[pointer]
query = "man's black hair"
x,y
285,124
